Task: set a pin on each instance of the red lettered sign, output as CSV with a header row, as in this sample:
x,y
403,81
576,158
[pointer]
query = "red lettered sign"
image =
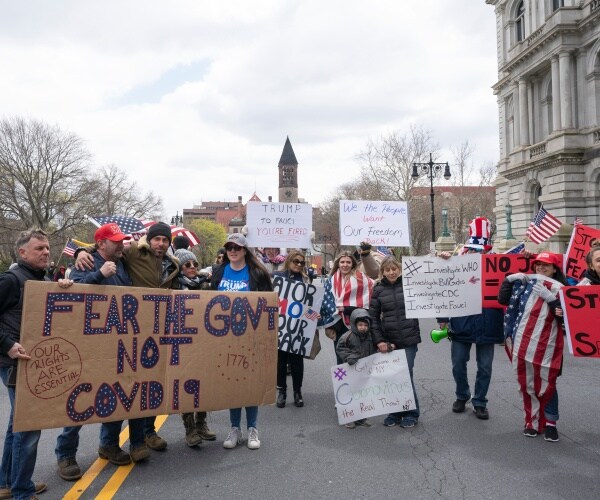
x,y
581,309
496,266
582,239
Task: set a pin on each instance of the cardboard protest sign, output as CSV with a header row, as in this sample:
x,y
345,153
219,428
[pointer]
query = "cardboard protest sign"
x,y
582,239
104,353
581,309
496,267
276,225
299,306
382,223
436,287
375,385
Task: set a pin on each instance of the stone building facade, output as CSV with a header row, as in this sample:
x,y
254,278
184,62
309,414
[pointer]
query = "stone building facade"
x,y
548,93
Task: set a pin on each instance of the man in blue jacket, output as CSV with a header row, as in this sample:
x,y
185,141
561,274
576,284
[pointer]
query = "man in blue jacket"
x,y
485,330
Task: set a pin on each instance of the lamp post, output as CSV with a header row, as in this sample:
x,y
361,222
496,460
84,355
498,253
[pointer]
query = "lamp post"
x,y
508,212
431,170
445,231
176,219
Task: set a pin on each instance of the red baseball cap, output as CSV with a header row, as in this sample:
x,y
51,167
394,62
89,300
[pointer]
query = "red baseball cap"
x,y
110,232
549,258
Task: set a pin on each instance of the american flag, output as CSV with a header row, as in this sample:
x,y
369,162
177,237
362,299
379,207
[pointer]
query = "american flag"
x,y
190,235
577,221
128,225
383,251
543,226
311,314
70,248
534,343
516,249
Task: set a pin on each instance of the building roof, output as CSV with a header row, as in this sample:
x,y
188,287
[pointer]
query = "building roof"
x,y
287,156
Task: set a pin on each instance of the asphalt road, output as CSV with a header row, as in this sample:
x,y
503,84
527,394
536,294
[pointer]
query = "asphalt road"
x,y
306,454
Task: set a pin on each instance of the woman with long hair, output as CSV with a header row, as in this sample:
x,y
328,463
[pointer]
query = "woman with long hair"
x,y
293,269
351,289
241,272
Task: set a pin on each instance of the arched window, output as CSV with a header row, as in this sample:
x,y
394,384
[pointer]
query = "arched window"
x,y
537,196
520,22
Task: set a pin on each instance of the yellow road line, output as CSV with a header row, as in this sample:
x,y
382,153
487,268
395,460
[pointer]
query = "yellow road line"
x,y
96,468
115,482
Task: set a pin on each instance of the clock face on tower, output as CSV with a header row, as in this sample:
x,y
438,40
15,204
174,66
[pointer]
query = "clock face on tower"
x,y
288,193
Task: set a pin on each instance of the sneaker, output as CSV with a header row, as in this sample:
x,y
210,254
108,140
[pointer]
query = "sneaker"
x,y
364,423
408,422
253,441
390,421
350,425
459,405
114,454
530,433
233,438
551,434
68,469
139,453
155,442
481,412
6,493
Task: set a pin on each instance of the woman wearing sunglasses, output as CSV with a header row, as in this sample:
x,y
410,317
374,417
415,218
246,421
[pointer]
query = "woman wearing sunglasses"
x,y
293,269
196,428
241,272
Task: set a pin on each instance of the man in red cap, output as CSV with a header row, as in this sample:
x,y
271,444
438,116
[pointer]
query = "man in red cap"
x,y
108,269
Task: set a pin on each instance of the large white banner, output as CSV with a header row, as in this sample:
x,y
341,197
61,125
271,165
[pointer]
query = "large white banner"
x,y
299,306
277,225
380,223
435,287
376,385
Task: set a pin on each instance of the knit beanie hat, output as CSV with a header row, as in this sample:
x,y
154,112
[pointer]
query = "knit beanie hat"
x,y
184,256
159,229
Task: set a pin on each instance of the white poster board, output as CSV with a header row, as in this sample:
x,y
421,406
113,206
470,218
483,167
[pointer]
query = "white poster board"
x,y
276,225
299,306
436,287
376,385
380,223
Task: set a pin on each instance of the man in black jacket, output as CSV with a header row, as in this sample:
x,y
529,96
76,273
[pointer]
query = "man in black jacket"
x,y
20,448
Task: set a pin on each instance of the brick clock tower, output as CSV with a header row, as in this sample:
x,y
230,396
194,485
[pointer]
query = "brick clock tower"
x,y
288,174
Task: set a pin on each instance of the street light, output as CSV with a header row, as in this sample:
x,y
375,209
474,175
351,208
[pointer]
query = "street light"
x,y
445,232
431,170
176,219
508,212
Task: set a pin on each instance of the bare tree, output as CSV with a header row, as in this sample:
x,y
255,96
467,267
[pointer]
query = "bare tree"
x,y
386,164
115,194
44,176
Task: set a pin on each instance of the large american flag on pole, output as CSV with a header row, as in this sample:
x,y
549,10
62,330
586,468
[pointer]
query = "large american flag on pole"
x,y
534,342
543,226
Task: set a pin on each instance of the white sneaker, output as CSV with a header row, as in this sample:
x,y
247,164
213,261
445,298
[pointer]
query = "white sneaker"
x,y
233,438
253,441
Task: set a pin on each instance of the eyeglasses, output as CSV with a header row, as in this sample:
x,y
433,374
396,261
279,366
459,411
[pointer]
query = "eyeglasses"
x,y
190,264
298,262
475,250
219,257
233,248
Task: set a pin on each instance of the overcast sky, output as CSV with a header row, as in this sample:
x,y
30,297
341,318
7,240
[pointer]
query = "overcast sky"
x,y
194,99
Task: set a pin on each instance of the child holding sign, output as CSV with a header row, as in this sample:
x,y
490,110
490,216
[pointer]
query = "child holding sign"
x,y
354,345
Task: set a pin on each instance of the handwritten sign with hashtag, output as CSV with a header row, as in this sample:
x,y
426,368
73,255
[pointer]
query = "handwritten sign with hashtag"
x,y
376,385
380,223
436,287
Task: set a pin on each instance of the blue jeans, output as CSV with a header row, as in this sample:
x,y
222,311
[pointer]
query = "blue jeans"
x,y
67,443
110,431
20,451
235,415
461,353
411,354
551,408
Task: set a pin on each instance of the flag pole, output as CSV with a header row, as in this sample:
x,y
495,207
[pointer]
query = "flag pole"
x,y
93,221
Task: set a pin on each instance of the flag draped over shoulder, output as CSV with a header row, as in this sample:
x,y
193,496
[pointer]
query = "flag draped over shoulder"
x,y
352,293
543,226
534,342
